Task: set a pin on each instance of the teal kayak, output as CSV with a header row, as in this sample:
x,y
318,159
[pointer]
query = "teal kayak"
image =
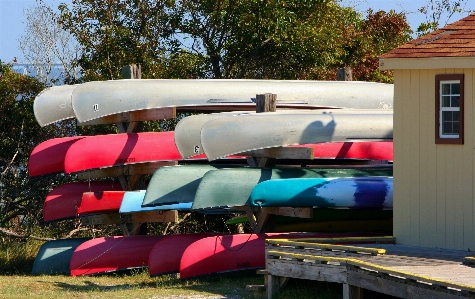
x,y
356,192
224,188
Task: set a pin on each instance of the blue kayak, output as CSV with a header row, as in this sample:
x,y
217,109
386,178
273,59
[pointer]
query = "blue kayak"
x,y
350,192
132,203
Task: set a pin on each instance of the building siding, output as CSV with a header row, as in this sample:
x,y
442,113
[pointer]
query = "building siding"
x,y
433,184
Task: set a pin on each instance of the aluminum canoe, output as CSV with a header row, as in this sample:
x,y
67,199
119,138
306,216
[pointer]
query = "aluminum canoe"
x,y
225,188
62,202
54,104
97,99
230,135
188,131
132,203
357,193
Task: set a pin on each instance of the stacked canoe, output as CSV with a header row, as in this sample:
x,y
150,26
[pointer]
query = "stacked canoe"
x,y
331,176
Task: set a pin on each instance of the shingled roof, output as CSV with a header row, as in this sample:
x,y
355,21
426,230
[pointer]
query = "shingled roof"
x,y
454,40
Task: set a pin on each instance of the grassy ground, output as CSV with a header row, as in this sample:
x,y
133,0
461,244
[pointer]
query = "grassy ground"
x,y
16,262
139,285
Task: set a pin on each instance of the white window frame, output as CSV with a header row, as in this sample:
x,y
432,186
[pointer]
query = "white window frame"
x,y
441,79
442,109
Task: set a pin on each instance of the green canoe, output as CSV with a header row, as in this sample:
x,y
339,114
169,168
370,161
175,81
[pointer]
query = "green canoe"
x,y
54,256
224,188
175,184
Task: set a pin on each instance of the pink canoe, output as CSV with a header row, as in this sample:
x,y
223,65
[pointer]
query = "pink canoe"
x,y
234,252
120,149
62,202
102,255
48,156
166,254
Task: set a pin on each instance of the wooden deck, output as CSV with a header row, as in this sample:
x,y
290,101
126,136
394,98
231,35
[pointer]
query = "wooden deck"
x,y
397,270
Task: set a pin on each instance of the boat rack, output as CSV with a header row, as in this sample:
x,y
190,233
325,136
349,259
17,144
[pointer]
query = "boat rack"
x,y
374,263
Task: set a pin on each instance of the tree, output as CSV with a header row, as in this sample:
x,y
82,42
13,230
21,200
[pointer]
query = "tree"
x,y
116,33
297,39
49,50
436,11
19,196
260,39
371,37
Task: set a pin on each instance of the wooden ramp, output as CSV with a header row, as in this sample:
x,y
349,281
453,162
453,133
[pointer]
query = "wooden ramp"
x,y
397,270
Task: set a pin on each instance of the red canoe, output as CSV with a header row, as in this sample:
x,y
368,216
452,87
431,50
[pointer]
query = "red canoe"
x,y
119,149
352,150
234,252
62,202
48,156
166,254
109,254
100,202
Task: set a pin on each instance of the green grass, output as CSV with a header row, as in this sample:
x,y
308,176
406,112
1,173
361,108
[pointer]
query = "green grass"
x,y
139,285
16,262
131,285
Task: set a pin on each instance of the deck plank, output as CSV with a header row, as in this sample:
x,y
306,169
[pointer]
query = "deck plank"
x,y
398,270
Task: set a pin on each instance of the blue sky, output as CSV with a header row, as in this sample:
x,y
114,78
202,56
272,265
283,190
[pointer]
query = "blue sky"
x,y
12,19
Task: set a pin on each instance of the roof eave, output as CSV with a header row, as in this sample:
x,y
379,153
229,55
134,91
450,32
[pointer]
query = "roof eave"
x,y
425,63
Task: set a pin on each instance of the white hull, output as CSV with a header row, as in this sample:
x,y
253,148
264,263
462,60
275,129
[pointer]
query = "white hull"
x,y
54,104
94,100
232,134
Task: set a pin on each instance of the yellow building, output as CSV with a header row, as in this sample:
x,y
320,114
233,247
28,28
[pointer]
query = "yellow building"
x,y
434,137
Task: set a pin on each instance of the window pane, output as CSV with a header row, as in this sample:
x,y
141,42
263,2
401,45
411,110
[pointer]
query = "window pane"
x,y
447,128
456,127
446,101
455,115
455,88
446,116
455,101
445,88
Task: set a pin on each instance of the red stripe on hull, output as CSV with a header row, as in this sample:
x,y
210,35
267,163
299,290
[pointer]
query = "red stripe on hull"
x,y
352,150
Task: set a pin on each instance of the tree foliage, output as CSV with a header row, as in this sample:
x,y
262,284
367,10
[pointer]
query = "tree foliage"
x,y
371,37
19,135
114,33
277,39
21,196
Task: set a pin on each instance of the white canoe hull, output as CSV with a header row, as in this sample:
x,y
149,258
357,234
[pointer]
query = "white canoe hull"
x,y
94,100
236,133
54,104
